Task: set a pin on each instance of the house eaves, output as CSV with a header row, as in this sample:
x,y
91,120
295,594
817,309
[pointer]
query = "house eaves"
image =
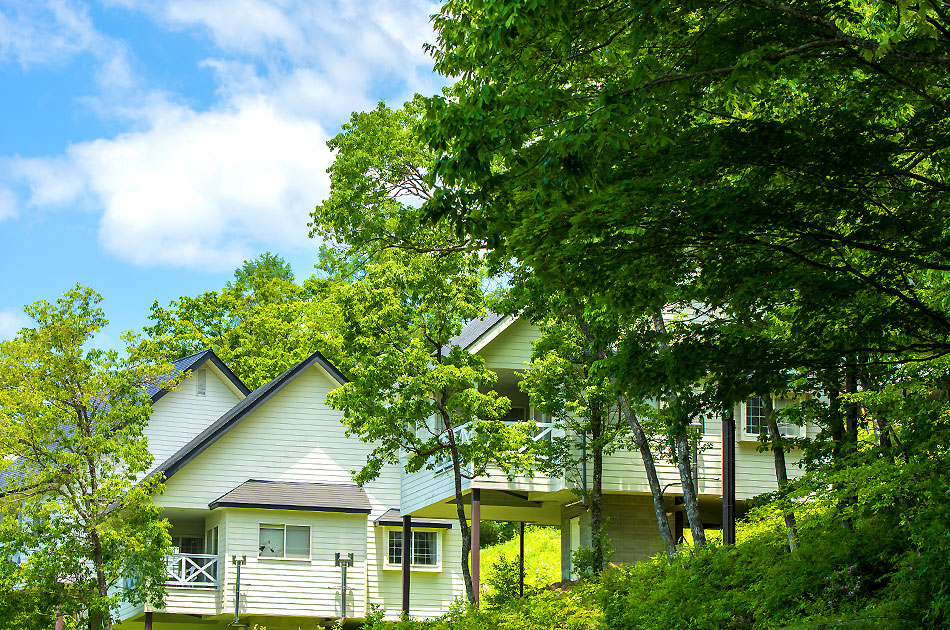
x,y
191,363
236,414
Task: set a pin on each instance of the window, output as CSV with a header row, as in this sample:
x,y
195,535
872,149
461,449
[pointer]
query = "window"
x,y
425,548
211,541
285,541
755,420
188,544
201,382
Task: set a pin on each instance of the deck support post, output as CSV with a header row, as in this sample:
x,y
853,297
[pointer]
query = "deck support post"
x,y
521,559
728,478
406,559
476,542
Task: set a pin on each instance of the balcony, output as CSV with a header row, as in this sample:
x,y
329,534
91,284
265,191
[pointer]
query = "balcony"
x,y
192,570
463,434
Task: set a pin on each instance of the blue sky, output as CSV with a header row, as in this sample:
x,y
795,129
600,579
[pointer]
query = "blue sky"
x,y
148,147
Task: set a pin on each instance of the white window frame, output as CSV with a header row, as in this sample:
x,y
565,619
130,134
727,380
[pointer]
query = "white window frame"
x,y
397,531
787,430
284,557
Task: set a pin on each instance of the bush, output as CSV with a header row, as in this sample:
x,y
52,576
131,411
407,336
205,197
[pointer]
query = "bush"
x,y
503,580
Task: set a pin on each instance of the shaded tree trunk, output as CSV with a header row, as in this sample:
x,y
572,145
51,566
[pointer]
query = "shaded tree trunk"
x,y
690,500
781,472
460,507
659,507
690,497
596,494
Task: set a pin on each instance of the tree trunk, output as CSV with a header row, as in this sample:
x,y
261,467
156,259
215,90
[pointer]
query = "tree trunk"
x,y
460,507
781,472
690,498
99,620
596,494
851,414
640,438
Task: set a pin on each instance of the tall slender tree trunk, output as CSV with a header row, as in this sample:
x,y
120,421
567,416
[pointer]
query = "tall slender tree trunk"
x,y
99,620
649,466
460,508
781,472
690,499
597,494
643,445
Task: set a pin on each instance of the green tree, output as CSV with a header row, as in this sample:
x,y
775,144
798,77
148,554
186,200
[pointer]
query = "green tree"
x,y
406,293
77,514
725,160
412,393
260,324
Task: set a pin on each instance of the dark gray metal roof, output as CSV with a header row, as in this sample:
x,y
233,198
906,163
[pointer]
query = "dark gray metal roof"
x,y
289,495
239,411
473,331
391,518
13,474
193,362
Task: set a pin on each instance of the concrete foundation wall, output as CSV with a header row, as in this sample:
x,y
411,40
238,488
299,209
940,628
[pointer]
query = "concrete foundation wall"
x,y
631,527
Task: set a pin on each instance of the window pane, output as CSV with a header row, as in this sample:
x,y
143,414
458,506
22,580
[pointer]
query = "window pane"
x,y
298,541
272,542
395,547
755,421
423,548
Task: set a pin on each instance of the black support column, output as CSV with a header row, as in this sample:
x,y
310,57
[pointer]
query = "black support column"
x,y
521,560
406,560
476,540
728,478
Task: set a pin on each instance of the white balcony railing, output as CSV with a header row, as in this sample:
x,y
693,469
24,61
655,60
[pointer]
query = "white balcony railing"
x,y
463,434
192,569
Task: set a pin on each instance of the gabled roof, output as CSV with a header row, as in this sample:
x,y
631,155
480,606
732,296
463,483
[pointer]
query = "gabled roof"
x,y
291,495
476,330
238,412
156,390
192,362
391,518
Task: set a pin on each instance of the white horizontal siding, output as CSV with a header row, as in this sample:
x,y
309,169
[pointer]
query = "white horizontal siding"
x,y
293,436
430,592
425,487
180,415
307,588
511,349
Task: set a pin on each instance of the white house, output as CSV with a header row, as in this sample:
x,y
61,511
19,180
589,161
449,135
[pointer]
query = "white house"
x,y
262,505
260,482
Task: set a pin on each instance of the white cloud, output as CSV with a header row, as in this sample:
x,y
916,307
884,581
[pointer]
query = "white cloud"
x,y
11,322
195,189
8,204
53,32
208,188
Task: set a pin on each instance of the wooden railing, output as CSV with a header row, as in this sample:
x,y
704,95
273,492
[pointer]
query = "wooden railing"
x,y
192,569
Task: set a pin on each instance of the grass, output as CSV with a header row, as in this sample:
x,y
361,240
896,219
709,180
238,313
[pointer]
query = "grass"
x,y
542,555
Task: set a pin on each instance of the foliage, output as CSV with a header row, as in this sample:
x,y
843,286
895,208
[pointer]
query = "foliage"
x,y
406,294
542,550
588,562
260,324
573,610
77,514
493,533
503,580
